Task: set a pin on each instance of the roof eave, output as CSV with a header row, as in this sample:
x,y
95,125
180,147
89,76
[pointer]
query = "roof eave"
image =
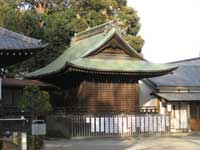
x,y
70,66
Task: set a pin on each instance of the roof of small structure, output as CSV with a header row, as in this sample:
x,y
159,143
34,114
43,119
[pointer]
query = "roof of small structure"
x,y
79,56
187,75
179,96
10,40
15,47
10,82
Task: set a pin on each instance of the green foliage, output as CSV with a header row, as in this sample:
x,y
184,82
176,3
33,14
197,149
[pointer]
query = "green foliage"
x,y
35,100
135,41
129,19
5,11
56,21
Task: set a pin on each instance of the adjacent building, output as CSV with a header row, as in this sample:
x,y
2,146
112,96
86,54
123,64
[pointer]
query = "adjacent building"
x,y
14,48
12,91
178,91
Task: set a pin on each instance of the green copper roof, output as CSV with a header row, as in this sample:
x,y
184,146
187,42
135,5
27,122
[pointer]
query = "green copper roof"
x,y
114,65
77,55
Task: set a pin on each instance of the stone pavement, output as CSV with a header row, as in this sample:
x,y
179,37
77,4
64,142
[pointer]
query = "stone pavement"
x,y
137,143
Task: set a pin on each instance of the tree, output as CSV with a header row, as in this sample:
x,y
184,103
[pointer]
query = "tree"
x,y
56,21
34,100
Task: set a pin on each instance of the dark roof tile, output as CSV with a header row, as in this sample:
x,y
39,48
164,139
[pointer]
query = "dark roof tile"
x,y
187,74
10,40
179,96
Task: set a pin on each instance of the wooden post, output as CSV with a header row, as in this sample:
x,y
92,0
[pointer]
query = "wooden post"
x,y
24,141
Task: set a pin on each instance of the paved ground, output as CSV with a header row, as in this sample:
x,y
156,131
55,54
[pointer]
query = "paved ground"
x,y
145,143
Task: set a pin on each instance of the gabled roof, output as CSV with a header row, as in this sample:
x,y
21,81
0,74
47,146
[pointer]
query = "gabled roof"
x,y
187,75
79,56
10,40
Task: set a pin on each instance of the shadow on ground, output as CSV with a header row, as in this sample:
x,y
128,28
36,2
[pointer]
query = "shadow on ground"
x,y
142,143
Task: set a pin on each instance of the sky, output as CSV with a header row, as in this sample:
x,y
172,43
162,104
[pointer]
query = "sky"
x,y
170,28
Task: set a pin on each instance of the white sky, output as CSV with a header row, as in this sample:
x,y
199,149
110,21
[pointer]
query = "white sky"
x,y
170,28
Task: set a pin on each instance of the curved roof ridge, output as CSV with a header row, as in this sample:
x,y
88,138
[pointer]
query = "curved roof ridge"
x,y
129,46
102,28
109,23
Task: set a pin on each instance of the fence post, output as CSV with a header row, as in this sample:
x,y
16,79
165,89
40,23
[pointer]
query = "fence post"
x,y
24,141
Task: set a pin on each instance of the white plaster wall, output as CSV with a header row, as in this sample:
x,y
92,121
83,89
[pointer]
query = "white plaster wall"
x,y
145,99
184,117
176,119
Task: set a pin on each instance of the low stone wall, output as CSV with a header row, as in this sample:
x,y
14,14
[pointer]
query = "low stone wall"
x,y
59,126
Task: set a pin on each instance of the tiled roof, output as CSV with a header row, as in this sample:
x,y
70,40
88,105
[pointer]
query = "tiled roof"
x,y
179,96
86,43
187,74
188,62
10,40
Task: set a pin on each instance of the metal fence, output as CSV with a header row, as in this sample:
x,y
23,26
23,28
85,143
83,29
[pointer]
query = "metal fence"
x,y
120,124
12,119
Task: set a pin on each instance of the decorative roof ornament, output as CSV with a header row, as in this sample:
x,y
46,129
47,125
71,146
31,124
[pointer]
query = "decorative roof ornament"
x,y
110,25
103,28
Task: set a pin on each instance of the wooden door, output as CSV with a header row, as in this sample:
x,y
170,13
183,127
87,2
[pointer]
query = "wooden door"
x,y
195,116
